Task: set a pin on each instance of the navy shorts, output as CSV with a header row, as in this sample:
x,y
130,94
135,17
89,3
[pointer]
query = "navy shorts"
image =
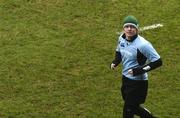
x,y
134,92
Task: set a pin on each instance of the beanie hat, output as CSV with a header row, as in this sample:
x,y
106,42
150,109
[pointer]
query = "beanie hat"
x,y
130,20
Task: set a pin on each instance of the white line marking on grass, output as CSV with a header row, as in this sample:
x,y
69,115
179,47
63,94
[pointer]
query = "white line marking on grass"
x,y
154,26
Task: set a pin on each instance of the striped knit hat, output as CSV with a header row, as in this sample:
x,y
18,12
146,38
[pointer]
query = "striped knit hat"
x,y
130,20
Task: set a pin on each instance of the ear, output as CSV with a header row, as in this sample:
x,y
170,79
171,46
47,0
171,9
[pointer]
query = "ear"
x,y
137,31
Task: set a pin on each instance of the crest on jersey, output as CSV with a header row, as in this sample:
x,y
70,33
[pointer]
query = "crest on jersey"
x,y
122,44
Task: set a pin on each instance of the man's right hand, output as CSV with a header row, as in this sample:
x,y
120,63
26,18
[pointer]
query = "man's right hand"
x,y
113,66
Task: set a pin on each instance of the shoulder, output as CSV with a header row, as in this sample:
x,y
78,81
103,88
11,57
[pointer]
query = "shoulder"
x,y
145,46
120,38
141,42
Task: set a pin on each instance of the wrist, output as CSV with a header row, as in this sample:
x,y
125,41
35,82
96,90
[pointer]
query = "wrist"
x,y
138,71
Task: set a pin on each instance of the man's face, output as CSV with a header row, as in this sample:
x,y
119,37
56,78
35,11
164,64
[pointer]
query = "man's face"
x,y
130,31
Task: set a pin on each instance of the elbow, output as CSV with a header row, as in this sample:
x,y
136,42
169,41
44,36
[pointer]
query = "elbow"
x,y
160,62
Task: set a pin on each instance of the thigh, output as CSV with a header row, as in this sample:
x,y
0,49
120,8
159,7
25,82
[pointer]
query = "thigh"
x,y
134,92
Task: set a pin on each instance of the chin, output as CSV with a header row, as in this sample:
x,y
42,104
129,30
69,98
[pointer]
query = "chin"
x,y
130,35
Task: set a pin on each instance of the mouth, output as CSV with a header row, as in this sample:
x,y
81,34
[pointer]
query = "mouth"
x,y
129,32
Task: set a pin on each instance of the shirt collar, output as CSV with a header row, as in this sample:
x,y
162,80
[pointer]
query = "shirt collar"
x,y
132,38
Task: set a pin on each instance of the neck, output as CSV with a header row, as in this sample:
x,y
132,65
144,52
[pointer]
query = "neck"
x,y
129,38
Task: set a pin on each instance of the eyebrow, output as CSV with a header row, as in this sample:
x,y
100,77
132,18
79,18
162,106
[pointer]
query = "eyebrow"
x,y
130,26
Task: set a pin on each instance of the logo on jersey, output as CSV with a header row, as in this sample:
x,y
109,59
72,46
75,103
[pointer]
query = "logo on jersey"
x,y
122,45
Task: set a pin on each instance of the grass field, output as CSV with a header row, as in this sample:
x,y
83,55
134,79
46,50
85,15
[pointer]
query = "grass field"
x,y
55,57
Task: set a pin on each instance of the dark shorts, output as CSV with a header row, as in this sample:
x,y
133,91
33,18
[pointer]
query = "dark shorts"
x,y
134,92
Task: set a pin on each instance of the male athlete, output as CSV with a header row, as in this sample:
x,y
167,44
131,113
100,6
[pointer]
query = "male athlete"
x,y
137,56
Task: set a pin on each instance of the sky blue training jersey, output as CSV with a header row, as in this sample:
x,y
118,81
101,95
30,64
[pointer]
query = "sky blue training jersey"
x,y
129,52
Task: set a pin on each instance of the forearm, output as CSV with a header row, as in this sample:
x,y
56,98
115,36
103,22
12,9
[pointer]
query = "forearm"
x,y
146,68
117,58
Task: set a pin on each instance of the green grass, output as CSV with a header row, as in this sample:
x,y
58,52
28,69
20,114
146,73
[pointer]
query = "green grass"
x,y
55,56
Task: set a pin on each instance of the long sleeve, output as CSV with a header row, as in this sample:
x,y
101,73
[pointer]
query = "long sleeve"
x,y
154,58
148,67
117,59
